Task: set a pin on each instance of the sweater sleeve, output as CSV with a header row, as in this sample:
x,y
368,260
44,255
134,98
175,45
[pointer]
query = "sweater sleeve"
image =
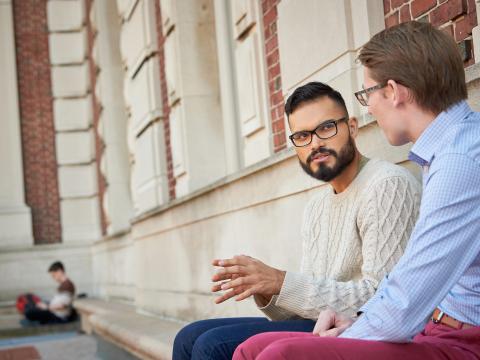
x,y
386,218
272,310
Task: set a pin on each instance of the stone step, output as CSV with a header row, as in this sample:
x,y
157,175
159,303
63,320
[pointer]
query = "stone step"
x,y
10,325
145,336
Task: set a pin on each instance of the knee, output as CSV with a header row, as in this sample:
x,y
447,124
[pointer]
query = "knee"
x,y
207,346
184,340
281,349
251,347
29,314
245,351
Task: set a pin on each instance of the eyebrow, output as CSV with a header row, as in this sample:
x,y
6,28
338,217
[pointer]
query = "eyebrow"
x,y
323,122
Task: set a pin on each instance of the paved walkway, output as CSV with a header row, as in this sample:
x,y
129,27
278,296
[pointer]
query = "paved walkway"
x,y
65,345
61,346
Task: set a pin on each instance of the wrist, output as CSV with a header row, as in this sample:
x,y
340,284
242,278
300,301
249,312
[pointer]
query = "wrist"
x,y
280,279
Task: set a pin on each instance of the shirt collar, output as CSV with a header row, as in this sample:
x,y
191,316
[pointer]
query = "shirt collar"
x,y
430,140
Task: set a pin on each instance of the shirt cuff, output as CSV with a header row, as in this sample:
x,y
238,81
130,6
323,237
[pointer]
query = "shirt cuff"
x,y
272,311
294,293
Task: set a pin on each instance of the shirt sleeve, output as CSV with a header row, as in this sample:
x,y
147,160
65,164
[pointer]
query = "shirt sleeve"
x,y
443,245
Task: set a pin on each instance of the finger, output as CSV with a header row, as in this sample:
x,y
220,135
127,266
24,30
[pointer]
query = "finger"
x,y
215,262
225,297
234,269
236,260
218,287
326,319
241,281
245,294
220,277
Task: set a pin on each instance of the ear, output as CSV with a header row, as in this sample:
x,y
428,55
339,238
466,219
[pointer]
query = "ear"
x,y
353,126
398,93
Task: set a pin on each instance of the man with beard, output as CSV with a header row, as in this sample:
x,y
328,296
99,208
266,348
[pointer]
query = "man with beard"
x,y
354,231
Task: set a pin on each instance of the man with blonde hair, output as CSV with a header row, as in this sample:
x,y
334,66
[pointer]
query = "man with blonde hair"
x,y
428,306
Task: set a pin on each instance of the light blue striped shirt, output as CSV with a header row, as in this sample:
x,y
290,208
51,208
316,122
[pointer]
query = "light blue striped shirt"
x,y
441,264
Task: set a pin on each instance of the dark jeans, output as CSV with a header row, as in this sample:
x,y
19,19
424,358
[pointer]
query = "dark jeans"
x,y
218,338
43,316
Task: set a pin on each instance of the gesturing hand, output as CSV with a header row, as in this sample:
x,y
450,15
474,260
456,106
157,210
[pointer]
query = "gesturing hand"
x,y
246,276
331,323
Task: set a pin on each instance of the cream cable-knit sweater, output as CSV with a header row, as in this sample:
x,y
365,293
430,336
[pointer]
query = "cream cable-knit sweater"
x,y
350,241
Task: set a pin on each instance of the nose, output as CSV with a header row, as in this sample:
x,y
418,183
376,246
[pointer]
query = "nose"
x,y
317,142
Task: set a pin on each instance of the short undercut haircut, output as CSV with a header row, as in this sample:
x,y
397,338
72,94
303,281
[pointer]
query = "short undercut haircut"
x,y
310,92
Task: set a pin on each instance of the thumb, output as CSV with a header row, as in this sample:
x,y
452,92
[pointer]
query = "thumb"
x,y
330,333
335,332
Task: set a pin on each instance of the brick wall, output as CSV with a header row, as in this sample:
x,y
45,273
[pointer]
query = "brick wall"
x,y
96,110
36,116
165,104
269,10
456,17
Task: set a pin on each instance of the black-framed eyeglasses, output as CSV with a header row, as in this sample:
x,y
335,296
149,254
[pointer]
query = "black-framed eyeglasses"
x,y
325,130
363,95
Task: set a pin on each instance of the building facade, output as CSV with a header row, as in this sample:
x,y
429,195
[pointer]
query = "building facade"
x,y
143,138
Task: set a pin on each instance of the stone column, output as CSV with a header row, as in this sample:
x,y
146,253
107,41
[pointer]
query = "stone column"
x,y
15,217
227,85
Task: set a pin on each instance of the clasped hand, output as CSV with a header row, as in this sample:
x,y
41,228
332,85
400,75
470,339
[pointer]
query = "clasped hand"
x,y
331,323
245,276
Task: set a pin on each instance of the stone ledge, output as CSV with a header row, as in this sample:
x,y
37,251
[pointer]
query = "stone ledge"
x,y
145,336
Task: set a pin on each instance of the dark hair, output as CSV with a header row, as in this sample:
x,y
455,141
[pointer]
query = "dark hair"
x,y
424,59
311,92
57,265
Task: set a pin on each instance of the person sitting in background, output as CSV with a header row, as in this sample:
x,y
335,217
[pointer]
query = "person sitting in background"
x,y
59,309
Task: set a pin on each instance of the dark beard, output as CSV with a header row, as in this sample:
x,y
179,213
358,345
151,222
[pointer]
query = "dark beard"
x,y
325,173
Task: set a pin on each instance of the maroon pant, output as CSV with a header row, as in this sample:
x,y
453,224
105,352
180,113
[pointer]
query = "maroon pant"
x,y
435,342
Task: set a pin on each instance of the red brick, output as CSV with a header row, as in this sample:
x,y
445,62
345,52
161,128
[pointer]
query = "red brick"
x,y
447,11
448,29
166,108
398,3
265,5
36,125
273,58
276,98
405,13
278,126
471,6
279,139
280,111
464,26
270,16
392,20
420,7
267,33
271,44
386,7
273,72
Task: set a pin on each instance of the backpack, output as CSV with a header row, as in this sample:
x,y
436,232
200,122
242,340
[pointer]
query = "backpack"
x,y
26,302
